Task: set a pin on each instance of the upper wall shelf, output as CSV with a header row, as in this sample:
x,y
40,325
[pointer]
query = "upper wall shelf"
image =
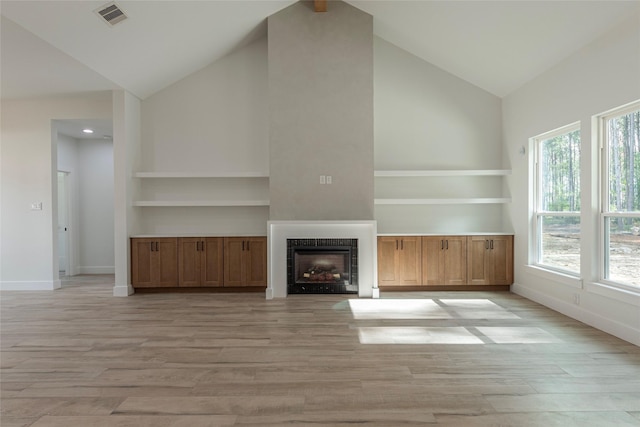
x,y
464,201
200,203
200,175
412,173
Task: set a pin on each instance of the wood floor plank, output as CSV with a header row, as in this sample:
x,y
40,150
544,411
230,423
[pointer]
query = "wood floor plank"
x,y
80,357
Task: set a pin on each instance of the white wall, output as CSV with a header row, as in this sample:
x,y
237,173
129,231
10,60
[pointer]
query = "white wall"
x,y
213,121
28,239
602,76
426,118
216,120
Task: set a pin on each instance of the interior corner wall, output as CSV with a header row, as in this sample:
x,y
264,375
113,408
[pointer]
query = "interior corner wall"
x,y
599,77
28,238
321,113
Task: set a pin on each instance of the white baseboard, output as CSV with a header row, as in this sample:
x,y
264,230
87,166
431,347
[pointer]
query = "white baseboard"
x,y
123,291
43,285
96,270
615,328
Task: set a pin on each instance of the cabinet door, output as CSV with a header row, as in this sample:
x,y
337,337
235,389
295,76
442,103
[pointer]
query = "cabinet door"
x,y
233,262
501,248
255,261
490,260
410,261
212,262
433,260
455,260
245,261
154,262
167,262
478,260
141,254
190,261
399,261
388,255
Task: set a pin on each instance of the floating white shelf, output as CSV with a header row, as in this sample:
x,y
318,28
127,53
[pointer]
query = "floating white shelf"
x,y
417,173
450,201
202,203
200,175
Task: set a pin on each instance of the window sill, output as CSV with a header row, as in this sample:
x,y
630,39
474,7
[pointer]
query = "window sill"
x,y
555,276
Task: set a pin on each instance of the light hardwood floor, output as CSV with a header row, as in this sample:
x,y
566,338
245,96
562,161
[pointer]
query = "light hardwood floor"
x,y
80,357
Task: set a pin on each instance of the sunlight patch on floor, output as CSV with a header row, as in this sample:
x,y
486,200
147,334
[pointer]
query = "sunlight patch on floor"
x,y
397,309
477,309
416,335
427,309
517,335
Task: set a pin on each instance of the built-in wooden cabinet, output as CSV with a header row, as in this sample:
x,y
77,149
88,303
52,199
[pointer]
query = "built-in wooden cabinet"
x,y
154,262
399,261
200,261
245,261
444,260
490,260
191,262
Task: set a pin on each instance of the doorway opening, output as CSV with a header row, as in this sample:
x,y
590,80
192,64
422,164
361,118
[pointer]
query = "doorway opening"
x,y
64,213
84,192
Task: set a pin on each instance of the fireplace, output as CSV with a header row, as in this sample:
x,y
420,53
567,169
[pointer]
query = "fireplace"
x,y
321,266
364,232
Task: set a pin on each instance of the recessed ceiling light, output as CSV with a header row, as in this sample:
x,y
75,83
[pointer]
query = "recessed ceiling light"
x,y
87,130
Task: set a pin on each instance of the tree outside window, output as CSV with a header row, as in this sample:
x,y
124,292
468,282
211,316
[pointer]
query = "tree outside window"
x,y
557,207
621,198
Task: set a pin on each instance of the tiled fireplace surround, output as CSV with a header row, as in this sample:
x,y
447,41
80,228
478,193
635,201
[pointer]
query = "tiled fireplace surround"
x,y
279,231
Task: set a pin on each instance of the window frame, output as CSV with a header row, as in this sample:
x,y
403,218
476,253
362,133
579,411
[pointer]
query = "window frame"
x,y
538,214
604,192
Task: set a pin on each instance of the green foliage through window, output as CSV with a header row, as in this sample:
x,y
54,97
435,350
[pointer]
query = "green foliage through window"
x,y
560,173
623,136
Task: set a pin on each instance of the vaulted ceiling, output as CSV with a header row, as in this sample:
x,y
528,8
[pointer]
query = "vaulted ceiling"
x,y
61,47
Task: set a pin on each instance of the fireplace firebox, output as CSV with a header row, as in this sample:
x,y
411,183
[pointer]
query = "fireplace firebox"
x,y
321,266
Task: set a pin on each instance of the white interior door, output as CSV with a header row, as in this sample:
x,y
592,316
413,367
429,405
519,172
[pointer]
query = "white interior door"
x,y
63,222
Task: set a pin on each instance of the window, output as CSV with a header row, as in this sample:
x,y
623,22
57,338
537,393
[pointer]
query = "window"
x,y
620,213
556,226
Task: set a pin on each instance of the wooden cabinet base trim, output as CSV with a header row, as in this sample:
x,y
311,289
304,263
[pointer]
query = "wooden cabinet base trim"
x,y
432,288
202,290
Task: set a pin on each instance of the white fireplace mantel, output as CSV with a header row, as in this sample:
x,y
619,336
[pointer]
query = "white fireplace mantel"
x,y
279,231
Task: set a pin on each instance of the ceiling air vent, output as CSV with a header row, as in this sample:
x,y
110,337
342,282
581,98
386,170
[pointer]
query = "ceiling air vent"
x,y
111,13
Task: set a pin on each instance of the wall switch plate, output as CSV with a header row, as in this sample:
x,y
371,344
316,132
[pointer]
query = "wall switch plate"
x,y
323,179
36,206
329,179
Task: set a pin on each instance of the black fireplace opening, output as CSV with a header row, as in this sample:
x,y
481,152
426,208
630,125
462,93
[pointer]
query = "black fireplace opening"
x,y
322,266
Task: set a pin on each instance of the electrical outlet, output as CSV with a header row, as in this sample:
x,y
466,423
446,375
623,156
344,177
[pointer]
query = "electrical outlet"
x,y
329,179
323,179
